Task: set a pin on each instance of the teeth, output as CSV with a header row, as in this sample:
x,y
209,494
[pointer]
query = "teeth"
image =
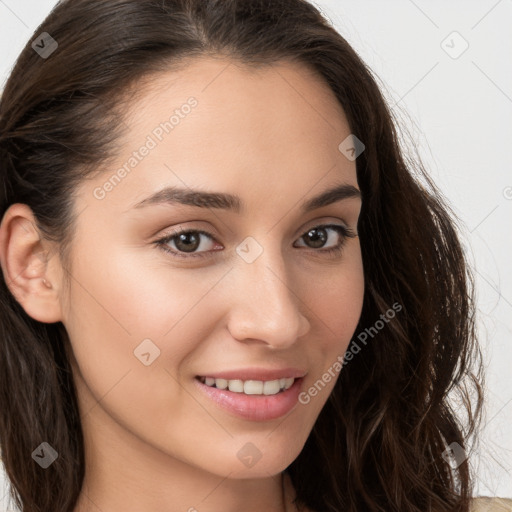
x,y
236,385
271,387
288,383
219,383
253,387
250,387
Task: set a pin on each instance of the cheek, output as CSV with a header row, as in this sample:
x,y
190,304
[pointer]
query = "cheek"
x,y
336,306
136,297
337,301
116,304
113,309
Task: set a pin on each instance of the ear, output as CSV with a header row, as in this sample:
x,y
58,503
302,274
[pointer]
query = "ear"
x,y
28,266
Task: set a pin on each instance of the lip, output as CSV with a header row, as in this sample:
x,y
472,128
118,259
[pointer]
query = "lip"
x,y
257,374
253,407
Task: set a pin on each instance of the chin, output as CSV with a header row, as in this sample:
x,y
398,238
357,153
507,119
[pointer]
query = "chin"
x,y
259,455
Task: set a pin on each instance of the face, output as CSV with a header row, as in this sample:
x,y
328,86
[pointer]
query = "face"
x,y
258,290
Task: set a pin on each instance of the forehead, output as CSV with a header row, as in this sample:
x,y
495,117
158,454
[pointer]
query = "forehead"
x,y
222,125
238,91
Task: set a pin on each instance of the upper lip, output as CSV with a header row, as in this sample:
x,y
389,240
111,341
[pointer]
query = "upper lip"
x,y
257,374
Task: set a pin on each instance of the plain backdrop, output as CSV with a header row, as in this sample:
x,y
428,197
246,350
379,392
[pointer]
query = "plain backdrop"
x,y
445,68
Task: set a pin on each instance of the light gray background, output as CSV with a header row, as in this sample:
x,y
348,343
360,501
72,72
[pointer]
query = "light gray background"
x,y
459,111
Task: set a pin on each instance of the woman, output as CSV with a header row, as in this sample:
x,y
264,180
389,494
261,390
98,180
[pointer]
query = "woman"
x,y
224,288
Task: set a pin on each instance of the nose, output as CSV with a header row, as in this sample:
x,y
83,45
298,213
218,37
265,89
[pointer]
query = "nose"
x,y
263,306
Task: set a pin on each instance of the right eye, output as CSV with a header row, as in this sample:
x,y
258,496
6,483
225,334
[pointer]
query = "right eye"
x,y
186,242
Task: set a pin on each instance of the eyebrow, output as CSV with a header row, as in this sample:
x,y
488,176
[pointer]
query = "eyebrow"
x,y
229,202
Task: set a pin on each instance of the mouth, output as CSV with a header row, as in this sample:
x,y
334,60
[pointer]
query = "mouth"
x,y
250,399
250,387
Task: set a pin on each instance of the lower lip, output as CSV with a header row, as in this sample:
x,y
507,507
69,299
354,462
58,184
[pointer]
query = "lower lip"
x,y
254,407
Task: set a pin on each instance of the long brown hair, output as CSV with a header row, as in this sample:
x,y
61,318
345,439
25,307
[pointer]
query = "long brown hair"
x,y
381,441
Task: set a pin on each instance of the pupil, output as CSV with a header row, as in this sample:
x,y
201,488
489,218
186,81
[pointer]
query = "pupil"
x,y
317,236
188,246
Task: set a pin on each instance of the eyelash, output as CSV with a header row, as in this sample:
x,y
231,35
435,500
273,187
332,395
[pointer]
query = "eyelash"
x,y
333,251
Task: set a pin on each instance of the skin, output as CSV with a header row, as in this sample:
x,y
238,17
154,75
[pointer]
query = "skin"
x,y
153,441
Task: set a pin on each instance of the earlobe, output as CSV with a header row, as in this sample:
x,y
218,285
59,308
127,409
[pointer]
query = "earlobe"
x,y
24,257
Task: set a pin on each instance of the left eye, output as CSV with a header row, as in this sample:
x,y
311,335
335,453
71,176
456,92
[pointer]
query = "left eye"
x,y
187,243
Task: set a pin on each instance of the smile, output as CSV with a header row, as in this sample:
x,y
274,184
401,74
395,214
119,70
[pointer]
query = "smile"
x,y
250,387
253,400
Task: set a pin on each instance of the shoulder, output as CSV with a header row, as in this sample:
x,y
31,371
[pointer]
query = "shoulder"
x,y
491,505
